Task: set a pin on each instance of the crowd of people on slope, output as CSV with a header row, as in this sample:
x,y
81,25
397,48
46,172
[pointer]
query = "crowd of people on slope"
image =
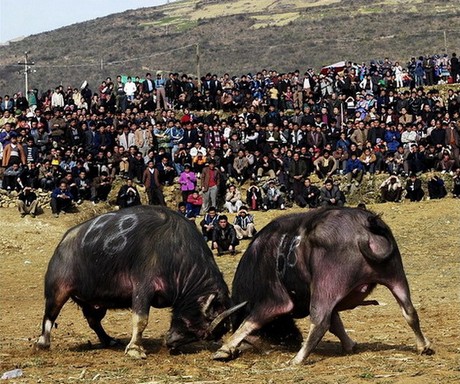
x,y
210,137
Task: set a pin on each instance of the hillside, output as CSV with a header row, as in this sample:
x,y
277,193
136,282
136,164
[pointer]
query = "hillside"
x,y
235,36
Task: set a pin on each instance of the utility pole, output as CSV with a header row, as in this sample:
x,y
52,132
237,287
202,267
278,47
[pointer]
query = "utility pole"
x,y
445,41
27,68
198,69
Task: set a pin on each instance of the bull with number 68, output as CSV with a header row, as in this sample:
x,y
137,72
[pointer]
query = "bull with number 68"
x,y
316,264
138,258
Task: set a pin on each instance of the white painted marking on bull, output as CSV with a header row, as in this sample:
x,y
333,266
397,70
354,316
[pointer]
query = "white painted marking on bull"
x,y
291,260
115,241
119,239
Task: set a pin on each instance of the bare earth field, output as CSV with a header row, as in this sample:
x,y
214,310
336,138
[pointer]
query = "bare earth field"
x,y
428,236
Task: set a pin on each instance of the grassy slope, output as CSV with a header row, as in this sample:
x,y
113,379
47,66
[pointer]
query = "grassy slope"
x,y
236,36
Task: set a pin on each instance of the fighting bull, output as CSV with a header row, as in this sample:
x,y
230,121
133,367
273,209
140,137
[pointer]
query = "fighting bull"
x,y
137,258
318,264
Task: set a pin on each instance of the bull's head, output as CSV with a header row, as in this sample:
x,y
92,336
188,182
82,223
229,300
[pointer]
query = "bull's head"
x,y
206,321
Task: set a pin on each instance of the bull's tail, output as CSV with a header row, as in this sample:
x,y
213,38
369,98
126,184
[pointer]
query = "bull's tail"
x,y
378,244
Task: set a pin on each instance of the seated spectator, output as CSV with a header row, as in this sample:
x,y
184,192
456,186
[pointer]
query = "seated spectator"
x,y
325,165
273,198
11,178
456,183
436,188
331,195
194,204
27,202
46,176
166,172
61,199
244,224
308,196
254,197
446,164
368,159
224,237
414,188
391,189
128,195
101,188
233,201
266,167
82,187
182,210
208,223
354,170
240,167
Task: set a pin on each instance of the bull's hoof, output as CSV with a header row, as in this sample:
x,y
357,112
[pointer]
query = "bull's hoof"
x,y
42,345
225,354
350,349
136,352
427,351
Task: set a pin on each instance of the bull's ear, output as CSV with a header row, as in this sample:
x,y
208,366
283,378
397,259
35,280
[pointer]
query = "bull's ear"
x,y
206,304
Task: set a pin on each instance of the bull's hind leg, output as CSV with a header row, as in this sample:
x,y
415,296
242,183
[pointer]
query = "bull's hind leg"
x,y
402,295
53,305
94,317
338,330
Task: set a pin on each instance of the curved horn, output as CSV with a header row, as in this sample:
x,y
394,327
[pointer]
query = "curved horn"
x,y
224,315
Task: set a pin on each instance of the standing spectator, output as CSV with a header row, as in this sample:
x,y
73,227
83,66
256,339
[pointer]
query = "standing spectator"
x,y
210,181
224,237
27,202
331,195
414,188
128,195
152,184
130,89
391,189
233,201
244,224
13,152
454,67
297,172
61,199
456,183
209,223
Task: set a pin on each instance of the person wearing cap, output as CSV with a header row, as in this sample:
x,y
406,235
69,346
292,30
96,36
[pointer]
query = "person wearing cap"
x,y
244,224
27,202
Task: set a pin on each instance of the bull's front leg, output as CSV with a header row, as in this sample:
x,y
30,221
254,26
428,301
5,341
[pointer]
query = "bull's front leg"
x,y
135,349
230,349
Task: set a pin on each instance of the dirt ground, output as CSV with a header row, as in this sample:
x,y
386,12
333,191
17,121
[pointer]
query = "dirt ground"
x,y
428,236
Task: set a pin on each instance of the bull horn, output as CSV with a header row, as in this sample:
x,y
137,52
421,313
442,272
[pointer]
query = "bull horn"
x,y
224,315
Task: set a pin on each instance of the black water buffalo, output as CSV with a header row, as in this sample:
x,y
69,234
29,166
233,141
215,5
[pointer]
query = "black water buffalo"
x,y
317,263
137,258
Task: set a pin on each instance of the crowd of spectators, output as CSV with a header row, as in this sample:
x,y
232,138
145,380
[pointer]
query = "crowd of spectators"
x,y
203,135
